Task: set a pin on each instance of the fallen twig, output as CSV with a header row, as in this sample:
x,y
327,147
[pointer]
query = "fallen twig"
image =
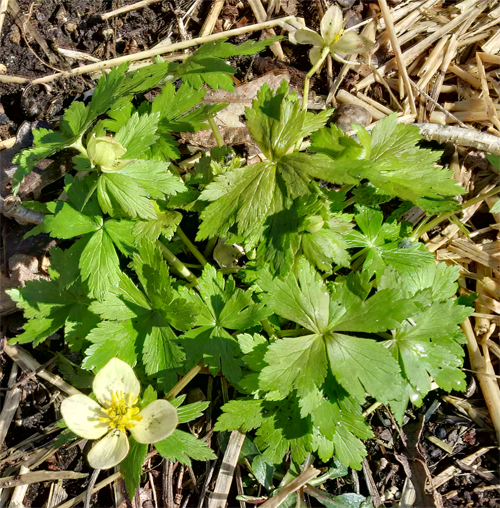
x,y
12,208
160,50
39,477
10,404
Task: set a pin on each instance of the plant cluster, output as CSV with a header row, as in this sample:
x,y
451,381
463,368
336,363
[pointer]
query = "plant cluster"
x,y
335,304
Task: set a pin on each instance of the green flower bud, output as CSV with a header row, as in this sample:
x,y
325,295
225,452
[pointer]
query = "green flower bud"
x,y
106,152
313,224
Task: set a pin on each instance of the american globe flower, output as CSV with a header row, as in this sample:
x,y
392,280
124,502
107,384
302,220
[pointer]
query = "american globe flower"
x,y
106,152
117,389
332,37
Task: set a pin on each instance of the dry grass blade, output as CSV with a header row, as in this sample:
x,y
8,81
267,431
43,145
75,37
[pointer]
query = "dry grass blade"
x,y
218,499
127,8
297,483
213,16
386,13
38,477
485,375
28,363
10,404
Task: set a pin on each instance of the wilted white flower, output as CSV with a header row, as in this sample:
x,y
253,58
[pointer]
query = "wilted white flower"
x,y
332,37
117,389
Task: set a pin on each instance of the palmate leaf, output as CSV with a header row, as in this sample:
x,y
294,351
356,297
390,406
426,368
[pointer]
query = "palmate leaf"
x,y
248,197
182,447
207,64
359,364
392,162
50,305
142,321
222,308
430,342
126,193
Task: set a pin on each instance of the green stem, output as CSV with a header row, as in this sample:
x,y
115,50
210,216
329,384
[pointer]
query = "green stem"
x,y
307,82
310,74
420,231
183,382
178,264
217,135
268,328
191,246
292,333
209,248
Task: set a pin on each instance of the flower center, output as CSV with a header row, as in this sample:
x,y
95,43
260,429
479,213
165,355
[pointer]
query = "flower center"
x,y
121,413
339,35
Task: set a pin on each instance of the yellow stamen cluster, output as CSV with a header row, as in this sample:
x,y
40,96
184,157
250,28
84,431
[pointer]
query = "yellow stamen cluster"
x,y
122,414
339,35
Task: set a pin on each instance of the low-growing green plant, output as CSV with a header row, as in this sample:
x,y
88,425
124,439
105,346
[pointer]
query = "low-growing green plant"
x,y
336,304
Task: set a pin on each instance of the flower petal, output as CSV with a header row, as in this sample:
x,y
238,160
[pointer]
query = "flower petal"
x,y
351,43
159,420
315,54
306,36
109,451
331,24
81,415
115,376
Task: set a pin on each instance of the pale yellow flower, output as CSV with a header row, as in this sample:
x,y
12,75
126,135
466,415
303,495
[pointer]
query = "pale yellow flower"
x,y
332,37
117,389
106,152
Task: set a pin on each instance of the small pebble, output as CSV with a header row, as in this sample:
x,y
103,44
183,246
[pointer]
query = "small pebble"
x,y
440,432
352,19
346,4
346,114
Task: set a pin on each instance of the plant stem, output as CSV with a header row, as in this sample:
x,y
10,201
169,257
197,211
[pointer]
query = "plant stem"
x,y
420,231
178,264
292,333
310,74
183,382
209,248
191,246
217,135
268,328
307,82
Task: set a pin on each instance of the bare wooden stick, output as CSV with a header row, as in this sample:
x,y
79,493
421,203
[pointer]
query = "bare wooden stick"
x,y
297,483
465,137
10,404
128,8
261,16
108,64
12,207
386,13
16,501
28,363
78,499
485,375
218,499
3,9
213,16
38,477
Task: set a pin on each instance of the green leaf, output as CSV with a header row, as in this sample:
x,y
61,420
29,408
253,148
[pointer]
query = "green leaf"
x,y
193,411
99,264
69,222
395,165
207,65
385,244
46,143
276,121
106,91
131,466
182,447
138,134
240,414
119,194
74,120
155,178
222,307
52,305
111,339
